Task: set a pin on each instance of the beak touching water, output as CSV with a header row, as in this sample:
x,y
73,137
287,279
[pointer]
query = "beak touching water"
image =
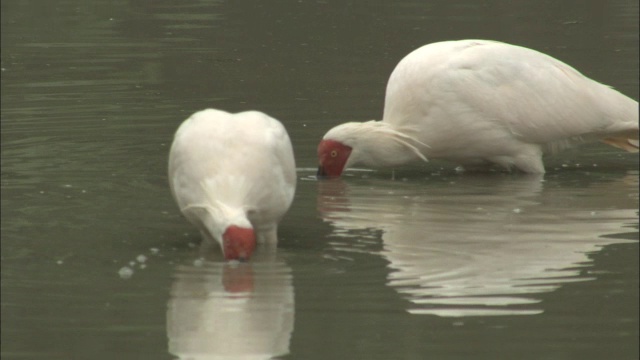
x,y
238,243
321,172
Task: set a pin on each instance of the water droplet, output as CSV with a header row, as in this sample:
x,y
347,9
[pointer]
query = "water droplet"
x,y
125,272
234,263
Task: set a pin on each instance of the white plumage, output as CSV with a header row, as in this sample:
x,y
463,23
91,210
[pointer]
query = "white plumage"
x,y
233,176
477,102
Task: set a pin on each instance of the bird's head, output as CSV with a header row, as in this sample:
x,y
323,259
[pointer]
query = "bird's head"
x,y
370,143
238,243
333,156
336,148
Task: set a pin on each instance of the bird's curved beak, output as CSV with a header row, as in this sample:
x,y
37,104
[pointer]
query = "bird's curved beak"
x,y
321,172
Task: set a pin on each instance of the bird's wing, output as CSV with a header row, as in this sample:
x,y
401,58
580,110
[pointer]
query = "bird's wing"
x,y
489,85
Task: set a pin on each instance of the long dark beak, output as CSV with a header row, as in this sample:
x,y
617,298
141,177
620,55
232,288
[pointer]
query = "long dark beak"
x,y
321,173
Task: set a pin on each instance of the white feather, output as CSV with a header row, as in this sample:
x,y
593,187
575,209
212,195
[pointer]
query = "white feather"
x,y
232,169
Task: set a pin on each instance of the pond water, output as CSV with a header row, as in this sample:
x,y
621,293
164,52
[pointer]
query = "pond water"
x,y
426,262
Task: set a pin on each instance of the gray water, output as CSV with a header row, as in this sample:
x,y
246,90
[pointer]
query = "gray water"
x,y
422,263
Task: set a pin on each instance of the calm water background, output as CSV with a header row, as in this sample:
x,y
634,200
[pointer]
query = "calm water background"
x,y
97,262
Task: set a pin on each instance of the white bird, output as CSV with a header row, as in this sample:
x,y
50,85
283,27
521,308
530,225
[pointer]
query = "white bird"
x,y
233,177
478,102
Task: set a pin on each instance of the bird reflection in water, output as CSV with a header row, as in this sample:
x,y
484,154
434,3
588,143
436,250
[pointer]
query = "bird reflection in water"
x,y
223,310
481,246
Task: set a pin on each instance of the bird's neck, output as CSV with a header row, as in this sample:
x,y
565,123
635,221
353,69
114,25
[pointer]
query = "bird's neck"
x,y
220,206
216,217
379,144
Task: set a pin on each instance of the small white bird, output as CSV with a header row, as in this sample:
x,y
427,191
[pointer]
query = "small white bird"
x,y
233,177
478,102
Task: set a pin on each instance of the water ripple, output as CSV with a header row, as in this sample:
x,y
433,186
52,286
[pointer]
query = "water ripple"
x,y
482,247
231,310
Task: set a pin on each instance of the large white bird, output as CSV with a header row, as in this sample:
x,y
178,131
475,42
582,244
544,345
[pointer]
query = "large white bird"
x,y
233,177
478,102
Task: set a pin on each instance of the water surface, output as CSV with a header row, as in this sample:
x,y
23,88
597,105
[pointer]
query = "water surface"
x,y
97,262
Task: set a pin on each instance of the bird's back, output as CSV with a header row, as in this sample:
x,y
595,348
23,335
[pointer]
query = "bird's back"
x,y
460,94
242,160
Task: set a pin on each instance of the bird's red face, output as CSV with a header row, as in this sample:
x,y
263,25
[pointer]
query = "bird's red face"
x,y
238,243
332,155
